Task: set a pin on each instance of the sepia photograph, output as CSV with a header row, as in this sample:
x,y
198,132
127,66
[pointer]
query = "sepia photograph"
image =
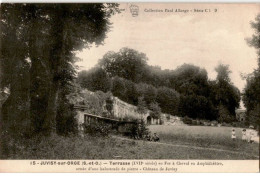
x,y
134,85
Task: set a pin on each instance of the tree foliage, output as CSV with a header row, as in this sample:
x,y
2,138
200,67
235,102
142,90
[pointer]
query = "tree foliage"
x,y
155,110
185,91
227,96
127,63
168,99
141,107
251,94
45,37
94,79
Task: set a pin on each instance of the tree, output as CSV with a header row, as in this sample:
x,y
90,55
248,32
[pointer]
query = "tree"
x,y
131,92
254,41
196,107
141,107
251,95
48,36
226,94
109,105
94,79
224,115
81,25
155,110
147,91
118,88
189,79
168,100
127,63
223,73
66,122
15,69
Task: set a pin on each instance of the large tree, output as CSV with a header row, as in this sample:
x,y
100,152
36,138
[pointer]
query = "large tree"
x,y
227,96
47,35
94,79
127,63
251,95
168,99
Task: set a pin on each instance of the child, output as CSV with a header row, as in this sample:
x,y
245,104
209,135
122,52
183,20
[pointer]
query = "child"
x,y
233,136
250,135
244,135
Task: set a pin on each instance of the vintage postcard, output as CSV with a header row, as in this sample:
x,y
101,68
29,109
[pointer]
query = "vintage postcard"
x,y
130,87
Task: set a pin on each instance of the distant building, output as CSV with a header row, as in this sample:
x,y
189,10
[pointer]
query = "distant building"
x,y
241,115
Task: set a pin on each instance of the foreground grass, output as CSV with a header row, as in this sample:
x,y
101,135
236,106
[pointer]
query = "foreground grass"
x,y
88,147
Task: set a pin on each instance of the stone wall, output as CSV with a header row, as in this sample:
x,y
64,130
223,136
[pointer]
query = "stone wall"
x,y
123,110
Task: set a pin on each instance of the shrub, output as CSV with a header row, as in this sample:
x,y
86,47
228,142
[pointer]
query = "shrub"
x,y
98,129
194,122
239,124
187,120
224,115
139,130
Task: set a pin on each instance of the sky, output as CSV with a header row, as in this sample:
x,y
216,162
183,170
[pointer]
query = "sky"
x,y
170,39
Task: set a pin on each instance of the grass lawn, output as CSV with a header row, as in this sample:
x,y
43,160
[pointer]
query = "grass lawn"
x,y
88,147
205,136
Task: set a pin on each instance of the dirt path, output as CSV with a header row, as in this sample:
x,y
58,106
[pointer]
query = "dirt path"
x,y
188,146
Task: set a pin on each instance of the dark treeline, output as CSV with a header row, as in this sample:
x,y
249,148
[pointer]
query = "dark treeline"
x,y
185,91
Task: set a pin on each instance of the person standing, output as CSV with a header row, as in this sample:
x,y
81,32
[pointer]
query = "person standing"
x,y
233,134
244,134
250,134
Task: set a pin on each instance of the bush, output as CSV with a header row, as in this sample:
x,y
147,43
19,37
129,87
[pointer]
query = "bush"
x,y
98,129
139,130
194,122
239,124
199,122
226,124
187,120
225,116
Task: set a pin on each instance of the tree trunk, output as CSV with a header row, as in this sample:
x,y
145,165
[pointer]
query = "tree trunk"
x,y
55,61
50,120
37,103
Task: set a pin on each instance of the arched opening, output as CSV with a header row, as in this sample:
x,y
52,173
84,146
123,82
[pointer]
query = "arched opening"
x,y
149,120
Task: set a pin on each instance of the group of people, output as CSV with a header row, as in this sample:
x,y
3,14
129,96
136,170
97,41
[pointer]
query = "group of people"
x,y
247,135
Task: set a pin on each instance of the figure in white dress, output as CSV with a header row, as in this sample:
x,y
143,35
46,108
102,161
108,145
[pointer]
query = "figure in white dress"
x,y
250,135
233,136
244,134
